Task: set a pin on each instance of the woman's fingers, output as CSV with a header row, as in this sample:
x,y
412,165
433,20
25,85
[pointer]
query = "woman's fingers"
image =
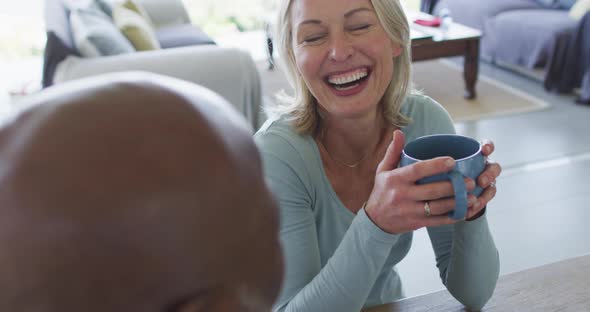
x,y
486,196
441,207
487,147
393,153
426,168
436,190
489,175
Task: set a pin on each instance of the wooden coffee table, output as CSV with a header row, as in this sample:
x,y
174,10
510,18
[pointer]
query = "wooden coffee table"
x,y
459,40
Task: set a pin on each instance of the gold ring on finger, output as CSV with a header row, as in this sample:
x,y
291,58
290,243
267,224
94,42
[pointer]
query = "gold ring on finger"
x,y
427,209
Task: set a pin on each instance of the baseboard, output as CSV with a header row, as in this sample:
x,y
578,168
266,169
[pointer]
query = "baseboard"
x,y
537,74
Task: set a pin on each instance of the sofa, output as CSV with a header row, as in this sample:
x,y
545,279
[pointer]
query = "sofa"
x,y
183,52
527,34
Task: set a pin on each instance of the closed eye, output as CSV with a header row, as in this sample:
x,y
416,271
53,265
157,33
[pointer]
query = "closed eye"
x,y
360,27
314,39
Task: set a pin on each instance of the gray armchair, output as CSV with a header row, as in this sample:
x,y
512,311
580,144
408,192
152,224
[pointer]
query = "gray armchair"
x,y
187,54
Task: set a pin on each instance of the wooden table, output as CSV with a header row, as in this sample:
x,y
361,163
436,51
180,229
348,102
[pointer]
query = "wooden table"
x,y
458,40
560,286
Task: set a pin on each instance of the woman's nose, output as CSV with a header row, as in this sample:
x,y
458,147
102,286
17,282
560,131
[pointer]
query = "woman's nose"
x,y
341,49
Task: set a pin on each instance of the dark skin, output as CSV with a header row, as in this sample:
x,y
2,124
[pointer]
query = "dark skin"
x,y
134,193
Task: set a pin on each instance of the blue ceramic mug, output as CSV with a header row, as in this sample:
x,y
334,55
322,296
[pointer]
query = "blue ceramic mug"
x,y
469,162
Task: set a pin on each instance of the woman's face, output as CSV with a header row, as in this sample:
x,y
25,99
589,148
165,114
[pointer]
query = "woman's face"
x,y
343,54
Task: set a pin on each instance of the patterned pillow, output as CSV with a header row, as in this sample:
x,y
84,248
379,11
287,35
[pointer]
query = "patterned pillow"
x,y
552,4
137,30
95,34
136,7
105,6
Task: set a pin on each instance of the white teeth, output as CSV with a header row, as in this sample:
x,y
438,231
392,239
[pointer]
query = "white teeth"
x,y
348,78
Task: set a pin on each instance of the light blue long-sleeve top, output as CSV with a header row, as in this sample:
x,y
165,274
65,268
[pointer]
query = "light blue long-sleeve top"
x,y
338,261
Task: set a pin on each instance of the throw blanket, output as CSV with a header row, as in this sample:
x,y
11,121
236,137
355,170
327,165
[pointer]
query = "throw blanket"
x,y
569,64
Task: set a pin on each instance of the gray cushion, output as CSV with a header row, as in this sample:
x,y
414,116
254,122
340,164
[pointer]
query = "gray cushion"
x,y
557,4
567,4
530,35
182,35
474,13
551,4
96,35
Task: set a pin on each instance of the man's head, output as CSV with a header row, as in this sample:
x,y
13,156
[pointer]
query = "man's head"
x,y
139,193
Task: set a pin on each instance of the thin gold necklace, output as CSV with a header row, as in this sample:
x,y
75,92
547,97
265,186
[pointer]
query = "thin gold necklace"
x,y
353,165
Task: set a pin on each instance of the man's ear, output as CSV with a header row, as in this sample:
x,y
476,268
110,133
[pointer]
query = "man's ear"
x,y
197,304
219,299
202,301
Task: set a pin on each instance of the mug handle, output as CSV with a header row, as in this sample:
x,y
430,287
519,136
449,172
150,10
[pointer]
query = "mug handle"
x,y
460,195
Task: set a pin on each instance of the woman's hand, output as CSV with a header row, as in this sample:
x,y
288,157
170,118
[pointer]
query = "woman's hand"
x,y
486,180
397,203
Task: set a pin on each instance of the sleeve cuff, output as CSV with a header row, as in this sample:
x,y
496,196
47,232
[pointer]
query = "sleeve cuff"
x,y
367,226
475,225
479,214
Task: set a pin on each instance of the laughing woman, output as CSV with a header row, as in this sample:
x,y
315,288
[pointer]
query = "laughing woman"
x,y
331,155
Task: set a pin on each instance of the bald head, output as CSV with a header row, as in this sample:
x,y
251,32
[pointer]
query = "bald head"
x,y
135,193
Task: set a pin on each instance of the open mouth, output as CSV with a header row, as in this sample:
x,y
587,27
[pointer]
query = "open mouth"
x,y
349,80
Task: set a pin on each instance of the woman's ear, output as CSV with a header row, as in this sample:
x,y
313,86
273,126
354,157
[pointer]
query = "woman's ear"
x,y
396,49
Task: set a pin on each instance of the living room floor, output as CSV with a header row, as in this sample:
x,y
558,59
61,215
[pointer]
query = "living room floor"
x,y
539,215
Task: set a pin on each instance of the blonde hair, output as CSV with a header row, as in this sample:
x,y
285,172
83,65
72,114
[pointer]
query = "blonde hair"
x,y
301,107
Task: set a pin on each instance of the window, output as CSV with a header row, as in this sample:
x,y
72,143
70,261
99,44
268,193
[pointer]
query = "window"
x,y
22,39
